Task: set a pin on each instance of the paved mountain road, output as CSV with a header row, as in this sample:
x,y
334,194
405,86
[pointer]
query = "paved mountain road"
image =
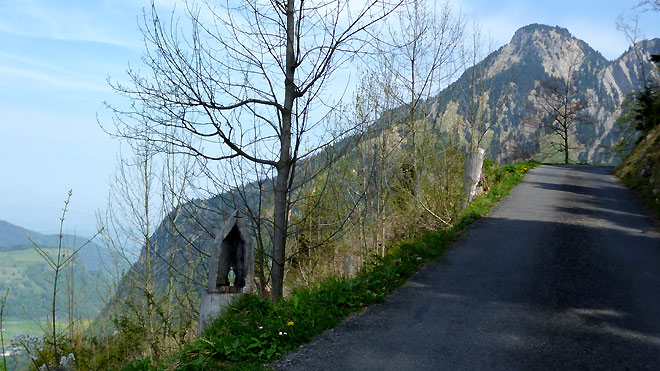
x,y
563,275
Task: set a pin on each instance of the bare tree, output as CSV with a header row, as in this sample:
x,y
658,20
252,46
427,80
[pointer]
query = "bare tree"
x,y
58,262
422,45
481,104
130,218
653,5
415,63
559,108
247,79
387,181
392,112
375,101
147,219
628,24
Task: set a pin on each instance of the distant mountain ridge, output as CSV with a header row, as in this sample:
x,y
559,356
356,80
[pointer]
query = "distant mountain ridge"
x,y
29,278
13,237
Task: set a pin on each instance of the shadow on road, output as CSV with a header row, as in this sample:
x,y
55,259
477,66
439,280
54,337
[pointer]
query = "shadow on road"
x,y
562,280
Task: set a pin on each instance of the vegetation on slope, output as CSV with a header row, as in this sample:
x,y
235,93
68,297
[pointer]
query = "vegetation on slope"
x,y
24,272
641,118
254,330
641,169
401,178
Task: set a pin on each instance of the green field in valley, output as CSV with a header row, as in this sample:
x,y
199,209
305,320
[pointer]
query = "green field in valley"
x,y
29,280
13,326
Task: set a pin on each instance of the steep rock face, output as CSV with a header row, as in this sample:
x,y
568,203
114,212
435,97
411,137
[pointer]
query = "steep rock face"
x,y
537,53
618,79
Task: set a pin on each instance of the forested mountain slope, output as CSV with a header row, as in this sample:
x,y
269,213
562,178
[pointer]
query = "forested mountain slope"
x,y
29,278
13,237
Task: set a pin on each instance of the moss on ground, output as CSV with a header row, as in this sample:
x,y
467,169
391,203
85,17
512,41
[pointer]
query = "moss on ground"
x,y
641,170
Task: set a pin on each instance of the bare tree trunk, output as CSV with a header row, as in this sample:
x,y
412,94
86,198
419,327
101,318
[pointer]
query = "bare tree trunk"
x,y
561,109
279,232
281,193
566,147
472,175
232,71
2,339
565,125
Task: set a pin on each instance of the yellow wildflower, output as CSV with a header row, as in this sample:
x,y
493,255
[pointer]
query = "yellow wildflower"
x,y
290,323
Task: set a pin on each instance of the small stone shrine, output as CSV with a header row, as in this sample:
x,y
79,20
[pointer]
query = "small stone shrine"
x,y
231,271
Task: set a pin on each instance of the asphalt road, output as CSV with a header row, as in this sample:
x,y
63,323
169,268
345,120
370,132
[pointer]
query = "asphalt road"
x,y
564,275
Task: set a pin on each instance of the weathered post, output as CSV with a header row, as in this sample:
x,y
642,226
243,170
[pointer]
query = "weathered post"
x,y
352,264
231,272
473,175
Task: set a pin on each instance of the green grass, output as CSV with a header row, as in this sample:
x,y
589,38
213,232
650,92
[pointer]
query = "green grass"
x,y
640,171
29,280
15,263
255,331
14,326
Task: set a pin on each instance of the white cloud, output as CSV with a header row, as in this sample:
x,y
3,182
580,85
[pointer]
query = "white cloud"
x,y
94,22
25,71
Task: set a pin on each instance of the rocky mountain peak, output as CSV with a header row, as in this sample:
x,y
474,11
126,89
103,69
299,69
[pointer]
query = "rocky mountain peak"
x,y
542,53
556,48
532,33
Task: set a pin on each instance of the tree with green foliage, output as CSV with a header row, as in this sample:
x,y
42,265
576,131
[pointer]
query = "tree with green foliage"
x,y
640,113
639,109
645,113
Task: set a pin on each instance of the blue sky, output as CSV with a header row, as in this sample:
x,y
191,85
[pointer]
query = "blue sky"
x,y
55,57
